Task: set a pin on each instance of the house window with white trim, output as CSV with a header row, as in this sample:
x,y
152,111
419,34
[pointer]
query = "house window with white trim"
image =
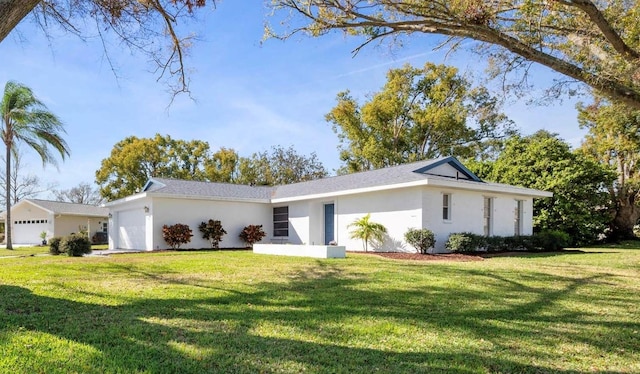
x,y
281,221
517,218
488,216
446,207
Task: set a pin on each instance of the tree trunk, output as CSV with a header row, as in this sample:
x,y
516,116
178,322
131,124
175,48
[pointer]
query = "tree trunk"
x,y
7,222
12,12
625,219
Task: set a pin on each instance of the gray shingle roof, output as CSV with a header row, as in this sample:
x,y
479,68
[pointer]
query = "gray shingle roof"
x,y
71,208
207,189
374,178
406,173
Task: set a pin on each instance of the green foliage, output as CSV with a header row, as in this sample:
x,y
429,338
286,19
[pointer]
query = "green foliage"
x,y
176,235
75,245
54,246
418,114
545,162
614,141
252,234
595,44
462,242
421,239
367,231
212,231
551,240
280,166
134,160
25,119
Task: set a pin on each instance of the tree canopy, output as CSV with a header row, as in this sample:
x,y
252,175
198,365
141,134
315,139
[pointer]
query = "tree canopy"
x,y
418,114
594,43
83,193
614,141
543,161
134,160
147,26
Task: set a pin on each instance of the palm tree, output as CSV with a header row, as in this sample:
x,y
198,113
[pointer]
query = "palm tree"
x,y
26,119
367,231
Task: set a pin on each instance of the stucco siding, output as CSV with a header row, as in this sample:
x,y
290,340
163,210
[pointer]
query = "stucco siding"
x,y
397,210
234,216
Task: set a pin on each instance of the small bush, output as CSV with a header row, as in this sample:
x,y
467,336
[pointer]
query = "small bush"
x,y
252,234
176,235
420,239
212,231
75,245
550,240
54,246
463,242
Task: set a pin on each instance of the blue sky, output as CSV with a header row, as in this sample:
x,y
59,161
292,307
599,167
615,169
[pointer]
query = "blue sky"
x,y
247,95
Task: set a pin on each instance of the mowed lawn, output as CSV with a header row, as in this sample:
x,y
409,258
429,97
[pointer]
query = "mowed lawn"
x,y
236,312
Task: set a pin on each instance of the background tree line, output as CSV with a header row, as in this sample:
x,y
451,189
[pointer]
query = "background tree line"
x,y
134,160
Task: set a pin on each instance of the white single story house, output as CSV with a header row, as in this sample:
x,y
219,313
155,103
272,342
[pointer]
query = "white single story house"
x,y
441,195
31,217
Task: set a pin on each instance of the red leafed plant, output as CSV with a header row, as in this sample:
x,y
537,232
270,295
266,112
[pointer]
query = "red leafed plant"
x,y
176,235
252,234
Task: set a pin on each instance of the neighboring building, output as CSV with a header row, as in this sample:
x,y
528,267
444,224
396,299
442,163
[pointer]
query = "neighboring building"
x,y
441,195
31,217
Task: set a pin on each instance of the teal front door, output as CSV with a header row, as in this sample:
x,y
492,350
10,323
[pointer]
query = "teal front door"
x,y
328,223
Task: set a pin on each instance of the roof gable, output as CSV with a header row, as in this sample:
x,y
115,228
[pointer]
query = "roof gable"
x,y
448,167
59,207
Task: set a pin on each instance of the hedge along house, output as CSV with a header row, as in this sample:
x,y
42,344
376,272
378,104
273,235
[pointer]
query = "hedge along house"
x,y
441,195
31,217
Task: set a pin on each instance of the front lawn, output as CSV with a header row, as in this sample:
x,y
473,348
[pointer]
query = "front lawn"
x,y
236,312
37,250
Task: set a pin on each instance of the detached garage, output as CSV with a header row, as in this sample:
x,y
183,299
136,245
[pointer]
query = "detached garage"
x,y
31,217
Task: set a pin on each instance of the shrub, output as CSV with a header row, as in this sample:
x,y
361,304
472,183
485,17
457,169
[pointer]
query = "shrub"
x,y
420,239
463,242
252,234
176,235
550,240
75,245
212,231
54,245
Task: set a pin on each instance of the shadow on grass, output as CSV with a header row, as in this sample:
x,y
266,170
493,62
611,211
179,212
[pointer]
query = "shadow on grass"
x,y
222,333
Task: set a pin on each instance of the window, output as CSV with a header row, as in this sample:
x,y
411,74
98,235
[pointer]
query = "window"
x,y
281,221
446,207
488,207
517,219
105,226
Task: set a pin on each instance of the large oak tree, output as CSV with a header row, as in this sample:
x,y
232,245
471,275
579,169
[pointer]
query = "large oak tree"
x,y
614,141
595,43
420,113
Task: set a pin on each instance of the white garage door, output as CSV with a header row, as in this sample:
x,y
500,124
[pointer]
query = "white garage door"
x,y
131,229
27,232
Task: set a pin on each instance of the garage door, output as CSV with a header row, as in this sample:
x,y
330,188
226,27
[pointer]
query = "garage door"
x,y
27,232
131,229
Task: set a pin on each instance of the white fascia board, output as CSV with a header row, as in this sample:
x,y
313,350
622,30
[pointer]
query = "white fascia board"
x,y
491,187
125,200
454,184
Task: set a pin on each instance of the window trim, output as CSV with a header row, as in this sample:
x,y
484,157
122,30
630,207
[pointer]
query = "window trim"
x,y
283,217
446,207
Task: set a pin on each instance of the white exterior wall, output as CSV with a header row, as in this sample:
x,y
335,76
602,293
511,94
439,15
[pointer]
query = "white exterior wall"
x,y
115,233
234,216
29,233
397,210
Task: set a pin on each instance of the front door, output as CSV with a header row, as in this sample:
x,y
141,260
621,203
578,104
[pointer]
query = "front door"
x,y
328,223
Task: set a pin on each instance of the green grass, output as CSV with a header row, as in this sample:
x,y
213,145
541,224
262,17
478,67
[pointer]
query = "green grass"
x,y
37,250
236,312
